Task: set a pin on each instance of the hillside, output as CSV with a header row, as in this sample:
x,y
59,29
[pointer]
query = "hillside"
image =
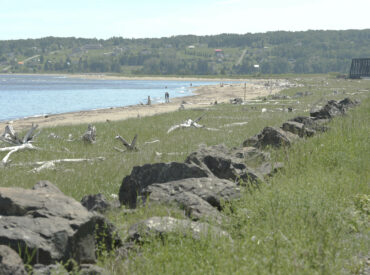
x,y
225,54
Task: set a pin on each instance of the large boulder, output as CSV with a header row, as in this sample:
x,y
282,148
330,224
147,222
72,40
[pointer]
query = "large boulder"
x,y
271,136
297,129
143,176
162,226
51,225
311,123
98,203
10,262
348,103
330,110
199,197
223,163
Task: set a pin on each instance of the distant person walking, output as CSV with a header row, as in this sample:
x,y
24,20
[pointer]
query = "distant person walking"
x,y
167,97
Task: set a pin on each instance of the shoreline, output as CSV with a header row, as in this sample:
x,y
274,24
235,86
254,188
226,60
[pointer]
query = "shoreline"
x,y
202,96
102,76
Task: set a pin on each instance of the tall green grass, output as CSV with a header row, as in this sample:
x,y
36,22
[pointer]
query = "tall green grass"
x,y
308,219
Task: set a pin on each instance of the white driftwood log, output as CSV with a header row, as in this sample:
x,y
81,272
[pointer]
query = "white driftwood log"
x,y
11,137
188,123
51,163
129,146
151,142
14,149
236,124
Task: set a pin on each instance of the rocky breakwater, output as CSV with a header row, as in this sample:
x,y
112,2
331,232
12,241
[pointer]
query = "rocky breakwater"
x,y
301,126
212,175
45,223
209,177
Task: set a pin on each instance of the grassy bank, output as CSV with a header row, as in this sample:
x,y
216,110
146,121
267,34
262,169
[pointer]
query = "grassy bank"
x,y
311,218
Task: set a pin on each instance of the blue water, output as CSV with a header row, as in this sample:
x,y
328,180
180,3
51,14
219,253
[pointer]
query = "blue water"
x,y
33,95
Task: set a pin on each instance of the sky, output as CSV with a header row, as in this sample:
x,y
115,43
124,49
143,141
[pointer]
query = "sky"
x,y
22,19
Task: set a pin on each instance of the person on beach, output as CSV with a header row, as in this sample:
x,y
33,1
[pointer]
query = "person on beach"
x,y
167,97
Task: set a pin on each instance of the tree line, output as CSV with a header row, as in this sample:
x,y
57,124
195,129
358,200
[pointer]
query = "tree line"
x,y
274,53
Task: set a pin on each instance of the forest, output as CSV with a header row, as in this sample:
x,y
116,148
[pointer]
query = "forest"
x,y
281,52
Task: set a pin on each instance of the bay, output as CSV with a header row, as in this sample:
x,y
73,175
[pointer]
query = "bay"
x,y
35,95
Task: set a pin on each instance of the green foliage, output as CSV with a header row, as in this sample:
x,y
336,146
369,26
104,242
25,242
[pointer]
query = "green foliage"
x,y
276,52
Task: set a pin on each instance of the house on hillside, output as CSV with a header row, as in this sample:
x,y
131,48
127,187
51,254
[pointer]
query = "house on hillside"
x,y
219,53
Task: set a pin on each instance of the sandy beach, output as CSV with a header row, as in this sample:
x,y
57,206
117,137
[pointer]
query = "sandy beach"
x,y
205,95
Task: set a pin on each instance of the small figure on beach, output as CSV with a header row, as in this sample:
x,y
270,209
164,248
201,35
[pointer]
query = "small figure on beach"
x,y
149,101
167,97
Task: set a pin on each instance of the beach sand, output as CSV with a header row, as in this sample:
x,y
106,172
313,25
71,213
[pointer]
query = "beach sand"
x,y
204,95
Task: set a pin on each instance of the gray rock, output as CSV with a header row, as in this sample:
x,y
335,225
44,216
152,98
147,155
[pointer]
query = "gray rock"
x,y
330,110
143,176
272,136
199,197
162,226
10,262
96,202
251,155
53,225
298,129
222,163
237,100
251,142
46,186
311,123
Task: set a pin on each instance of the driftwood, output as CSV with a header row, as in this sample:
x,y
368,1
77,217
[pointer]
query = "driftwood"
x,y
190,123
236,124
129,146
14,149
151,142
11,137
51,163
90,135
186,124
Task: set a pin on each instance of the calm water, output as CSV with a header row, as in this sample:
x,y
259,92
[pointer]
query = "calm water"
x,y
31,95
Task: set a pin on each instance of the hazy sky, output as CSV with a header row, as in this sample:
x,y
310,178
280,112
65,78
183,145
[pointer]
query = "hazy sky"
x,y
158,18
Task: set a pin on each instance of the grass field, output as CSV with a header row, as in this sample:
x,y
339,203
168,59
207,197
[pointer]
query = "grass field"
x,y
310,218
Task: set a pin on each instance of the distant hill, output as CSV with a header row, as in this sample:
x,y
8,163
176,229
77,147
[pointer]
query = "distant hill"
x,y
225,54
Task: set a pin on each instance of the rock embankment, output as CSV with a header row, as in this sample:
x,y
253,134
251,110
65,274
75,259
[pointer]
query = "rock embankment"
x,y
43,222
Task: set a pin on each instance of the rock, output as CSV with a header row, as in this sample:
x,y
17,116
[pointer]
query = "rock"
x,y
348,103
96,202
10,262
143,176
251,142
46,186
53,225
311,123
330,110
298,129
199,197
271,136
222,163
251,155
162,226
237,100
